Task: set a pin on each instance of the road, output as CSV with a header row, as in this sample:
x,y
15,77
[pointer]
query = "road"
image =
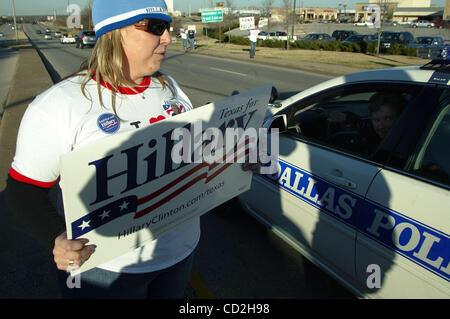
x,y
8,68
193,72
237,256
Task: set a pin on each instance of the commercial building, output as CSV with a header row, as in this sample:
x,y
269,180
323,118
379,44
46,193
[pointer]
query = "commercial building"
x,y
402,10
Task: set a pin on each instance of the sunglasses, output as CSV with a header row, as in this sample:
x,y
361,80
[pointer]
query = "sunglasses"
x,y
154,26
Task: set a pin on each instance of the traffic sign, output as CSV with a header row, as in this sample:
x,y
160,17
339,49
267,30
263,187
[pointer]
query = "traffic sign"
x,y
212,16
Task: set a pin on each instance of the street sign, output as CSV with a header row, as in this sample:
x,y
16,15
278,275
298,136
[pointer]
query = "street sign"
x,y
212,16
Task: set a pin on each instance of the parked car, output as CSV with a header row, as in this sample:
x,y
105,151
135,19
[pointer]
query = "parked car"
x,y
47,36
422,24
360,24
57,34
425,41
1,34
263,35
389,23
318,37
434,51
353,211
445,53
342,34
278,35
360,38
441,24
67,38
343,20
428,47
85,38
389,38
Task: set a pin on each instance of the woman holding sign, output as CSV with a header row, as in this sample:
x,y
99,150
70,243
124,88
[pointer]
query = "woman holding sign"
x,y
121,89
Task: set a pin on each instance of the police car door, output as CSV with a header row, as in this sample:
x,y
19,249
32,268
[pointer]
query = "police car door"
x,y
322,178
403,249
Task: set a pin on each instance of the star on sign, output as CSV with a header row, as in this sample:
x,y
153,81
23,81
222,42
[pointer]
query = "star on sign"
x,y
124,205
105,214
85,224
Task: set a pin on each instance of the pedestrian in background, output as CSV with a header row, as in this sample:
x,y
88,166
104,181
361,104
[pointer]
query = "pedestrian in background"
x,y
183,38
253,38
122,83
191,36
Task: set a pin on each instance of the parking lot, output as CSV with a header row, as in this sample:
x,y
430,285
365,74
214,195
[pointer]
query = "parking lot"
x,y
302,30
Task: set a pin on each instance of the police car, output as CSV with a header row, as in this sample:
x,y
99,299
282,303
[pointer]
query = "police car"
x,y
371,208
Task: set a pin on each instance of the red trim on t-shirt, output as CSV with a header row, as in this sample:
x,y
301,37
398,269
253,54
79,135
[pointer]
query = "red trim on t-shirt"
x,y
128,91
21,178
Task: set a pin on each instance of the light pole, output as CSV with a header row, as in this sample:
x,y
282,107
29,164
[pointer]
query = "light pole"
x,y
15,23
293,20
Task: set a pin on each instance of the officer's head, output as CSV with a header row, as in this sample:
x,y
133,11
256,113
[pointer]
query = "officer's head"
x,y
385,108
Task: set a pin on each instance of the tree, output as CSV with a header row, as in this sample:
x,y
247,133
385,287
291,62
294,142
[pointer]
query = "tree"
x,y
287,17
230,5
267,6
383,10
86,16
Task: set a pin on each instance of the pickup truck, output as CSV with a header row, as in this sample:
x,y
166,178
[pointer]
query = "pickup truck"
x,y
434,51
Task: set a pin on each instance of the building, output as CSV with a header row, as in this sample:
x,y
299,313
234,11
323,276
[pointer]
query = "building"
x,y
320,14
400,10
279,14
446,14
409,3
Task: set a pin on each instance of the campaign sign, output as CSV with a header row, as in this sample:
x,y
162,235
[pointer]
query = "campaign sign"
x,y
246,23
128,189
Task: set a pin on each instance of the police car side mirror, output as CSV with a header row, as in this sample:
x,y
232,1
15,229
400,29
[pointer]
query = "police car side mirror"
x,y
278,121
275,104
273,95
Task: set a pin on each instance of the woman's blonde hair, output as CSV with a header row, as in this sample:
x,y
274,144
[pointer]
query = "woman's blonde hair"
x,y
105,64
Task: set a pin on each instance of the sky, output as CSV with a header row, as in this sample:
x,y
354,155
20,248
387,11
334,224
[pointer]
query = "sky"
x,y
47,7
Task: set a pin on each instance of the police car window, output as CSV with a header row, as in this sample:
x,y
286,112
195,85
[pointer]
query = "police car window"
x,y
354,121
432,160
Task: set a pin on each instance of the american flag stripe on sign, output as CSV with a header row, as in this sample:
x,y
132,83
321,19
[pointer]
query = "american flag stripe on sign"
x,y
130,204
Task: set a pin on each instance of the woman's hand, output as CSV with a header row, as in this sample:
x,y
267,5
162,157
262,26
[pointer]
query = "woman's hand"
x,y
71,253
253,167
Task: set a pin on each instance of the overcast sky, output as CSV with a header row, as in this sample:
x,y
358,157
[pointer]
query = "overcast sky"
x,y
33,7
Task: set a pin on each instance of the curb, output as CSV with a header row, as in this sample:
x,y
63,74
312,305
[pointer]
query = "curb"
x,y
30,79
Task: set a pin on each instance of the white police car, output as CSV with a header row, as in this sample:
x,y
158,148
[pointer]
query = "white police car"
x,y
367,203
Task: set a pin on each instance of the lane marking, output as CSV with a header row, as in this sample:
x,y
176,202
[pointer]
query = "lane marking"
x,y
237,73
201,288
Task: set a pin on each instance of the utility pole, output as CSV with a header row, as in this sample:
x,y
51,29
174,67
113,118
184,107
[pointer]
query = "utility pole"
x,y
293,19
15,23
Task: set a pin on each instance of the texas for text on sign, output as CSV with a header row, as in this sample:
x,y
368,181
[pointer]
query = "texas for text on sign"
x,y
126,190
212,16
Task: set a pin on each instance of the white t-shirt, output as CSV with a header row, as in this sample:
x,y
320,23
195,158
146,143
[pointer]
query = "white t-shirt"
x,y
254,35
61,120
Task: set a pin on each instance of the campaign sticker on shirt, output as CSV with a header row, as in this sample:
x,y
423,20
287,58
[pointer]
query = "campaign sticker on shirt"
x,y
173,107
108,123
